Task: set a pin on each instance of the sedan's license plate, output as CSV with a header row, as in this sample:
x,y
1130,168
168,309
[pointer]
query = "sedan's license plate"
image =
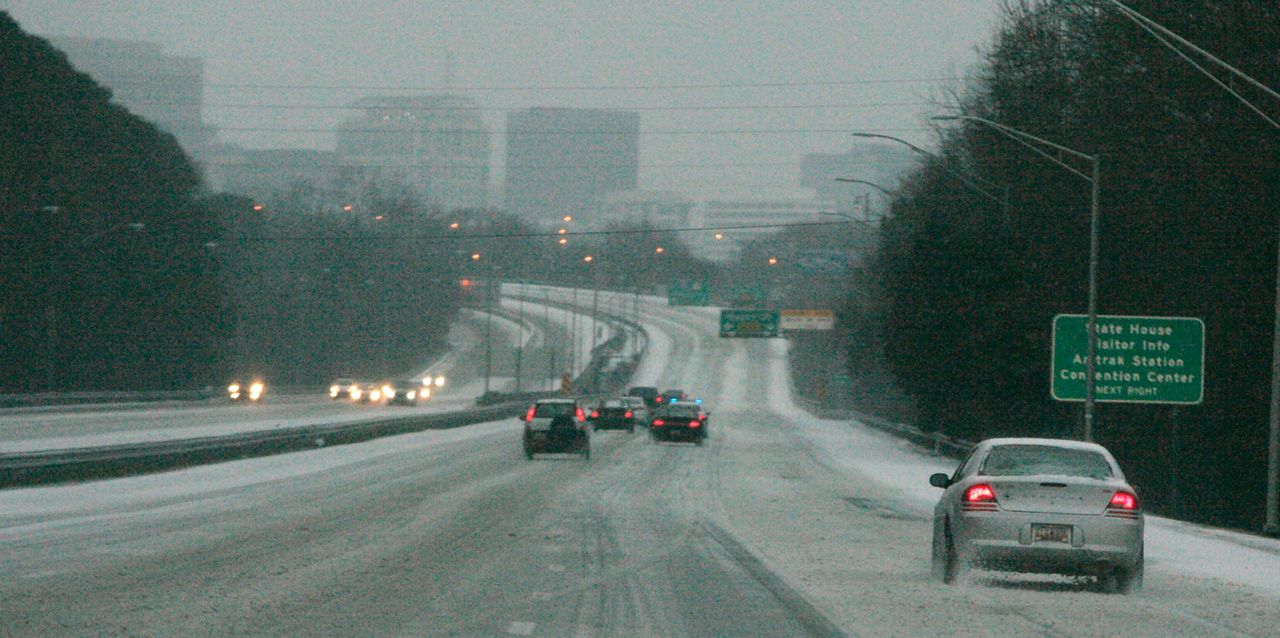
x,y
1051,533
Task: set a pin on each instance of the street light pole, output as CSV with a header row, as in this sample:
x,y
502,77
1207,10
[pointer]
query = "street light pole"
x,y
488,331
520,337
1002,199
1028,140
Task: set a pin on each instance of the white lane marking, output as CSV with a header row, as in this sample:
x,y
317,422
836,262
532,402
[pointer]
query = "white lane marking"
x,y
520,628
555,568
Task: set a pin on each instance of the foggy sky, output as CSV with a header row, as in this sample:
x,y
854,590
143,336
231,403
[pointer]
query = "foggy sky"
x,y
325,53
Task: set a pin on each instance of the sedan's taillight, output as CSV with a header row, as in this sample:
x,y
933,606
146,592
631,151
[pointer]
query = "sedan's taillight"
x,y
528,416
580,415
1123,505
979,498
657,423
595,414
627,414
693,423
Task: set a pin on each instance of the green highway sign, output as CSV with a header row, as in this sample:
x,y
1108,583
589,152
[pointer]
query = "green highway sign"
x,y
688,293
1138,359
748,323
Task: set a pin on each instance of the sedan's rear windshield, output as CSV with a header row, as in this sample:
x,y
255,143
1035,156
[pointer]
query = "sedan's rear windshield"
x,y
554,410
1029,460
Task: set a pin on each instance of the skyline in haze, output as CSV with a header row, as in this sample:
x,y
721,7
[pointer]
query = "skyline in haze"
x,y
730,95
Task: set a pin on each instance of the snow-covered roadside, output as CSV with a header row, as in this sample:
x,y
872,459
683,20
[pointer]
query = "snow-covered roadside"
x,y
180,486
1171,545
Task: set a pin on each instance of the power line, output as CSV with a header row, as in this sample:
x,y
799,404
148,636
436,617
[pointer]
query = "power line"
x,y
455,236
146,78
739,131
494,109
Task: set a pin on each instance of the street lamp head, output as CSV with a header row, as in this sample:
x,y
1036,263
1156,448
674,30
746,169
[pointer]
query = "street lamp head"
x,y
719,236
588,259
773,261
568,218
454,226
475,256
564,241
660,250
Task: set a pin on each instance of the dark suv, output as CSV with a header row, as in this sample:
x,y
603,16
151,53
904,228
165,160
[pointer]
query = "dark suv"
x,y
646,392
556,425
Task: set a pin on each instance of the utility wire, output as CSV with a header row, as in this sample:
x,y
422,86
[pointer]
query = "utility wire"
x,y
457,236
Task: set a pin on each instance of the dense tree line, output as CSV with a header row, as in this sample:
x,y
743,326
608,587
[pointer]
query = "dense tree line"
x,y
106,281
321,292
1190,184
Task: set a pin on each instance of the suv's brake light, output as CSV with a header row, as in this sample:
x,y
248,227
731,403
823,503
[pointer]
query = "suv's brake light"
x,y
528,416
628,414
579,415
595,414
659,423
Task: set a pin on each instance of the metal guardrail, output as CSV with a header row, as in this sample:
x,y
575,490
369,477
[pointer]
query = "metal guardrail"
x,y
87,463
936,443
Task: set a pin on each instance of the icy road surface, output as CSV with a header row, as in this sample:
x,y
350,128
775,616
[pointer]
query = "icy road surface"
x,y
783,525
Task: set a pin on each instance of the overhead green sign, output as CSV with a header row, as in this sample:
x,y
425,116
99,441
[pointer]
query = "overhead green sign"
x,y
688,293
748,323
1138,359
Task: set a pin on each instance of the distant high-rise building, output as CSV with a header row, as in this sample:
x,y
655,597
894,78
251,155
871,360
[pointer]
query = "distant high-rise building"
x,y
654,209
881,164
435,144
166,90
564,161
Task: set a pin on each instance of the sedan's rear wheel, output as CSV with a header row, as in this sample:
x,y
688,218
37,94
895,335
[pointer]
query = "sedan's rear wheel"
x,y
1127,580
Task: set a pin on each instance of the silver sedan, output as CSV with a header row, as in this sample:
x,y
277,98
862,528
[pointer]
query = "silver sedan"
x,y
1039,506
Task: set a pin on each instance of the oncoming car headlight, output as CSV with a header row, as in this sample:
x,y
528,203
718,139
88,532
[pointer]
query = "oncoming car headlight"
x,y
256,390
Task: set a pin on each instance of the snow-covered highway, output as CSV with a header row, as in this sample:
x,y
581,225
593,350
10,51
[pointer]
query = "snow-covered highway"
x,y
783,525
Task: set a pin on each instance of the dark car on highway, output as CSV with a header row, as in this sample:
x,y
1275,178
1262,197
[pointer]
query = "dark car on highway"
x,y
556,425
679,422
646,392
671,395
613,414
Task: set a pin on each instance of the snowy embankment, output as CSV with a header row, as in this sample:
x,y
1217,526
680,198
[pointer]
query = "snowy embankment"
x,y
1176,546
